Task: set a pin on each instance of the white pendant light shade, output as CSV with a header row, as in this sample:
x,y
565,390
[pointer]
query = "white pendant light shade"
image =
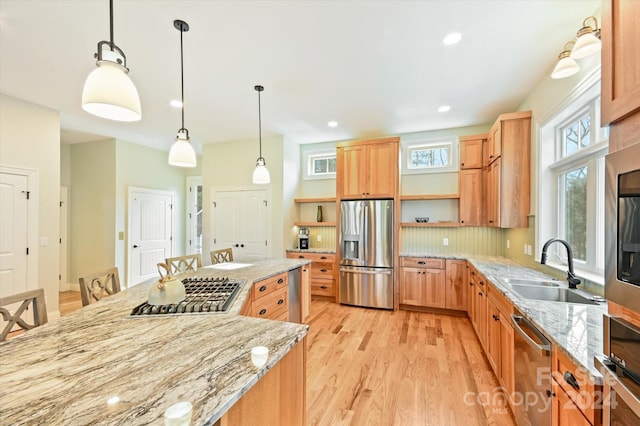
x,y
109,93
260,173
586,45
182,153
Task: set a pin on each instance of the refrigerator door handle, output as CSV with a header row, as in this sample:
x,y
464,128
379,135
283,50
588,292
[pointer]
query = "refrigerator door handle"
x,y
358,271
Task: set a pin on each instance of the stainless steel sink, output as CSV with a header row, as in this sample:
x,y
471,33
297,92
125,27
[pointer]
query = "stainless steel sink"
x,y
539,283
552,294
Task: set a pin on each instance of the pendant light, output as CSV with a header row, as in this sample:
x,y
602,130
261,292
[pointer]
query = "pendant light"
x,y
182,153
260,174
108,91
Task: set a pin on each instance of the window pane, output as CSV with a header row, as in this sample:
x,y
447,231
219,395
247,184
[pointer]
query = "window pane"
x,y
331,165
585,131
320,166
431,157
575,208
571,139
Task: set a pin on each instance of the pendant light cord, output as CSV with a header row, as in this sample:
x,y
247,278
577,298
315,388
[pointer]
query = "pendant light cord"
x,y
182,74
260,123
111,43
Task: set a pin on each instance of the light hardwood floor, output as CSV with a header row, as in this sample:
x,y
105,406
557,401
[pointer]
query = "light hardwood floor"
x,y
376,367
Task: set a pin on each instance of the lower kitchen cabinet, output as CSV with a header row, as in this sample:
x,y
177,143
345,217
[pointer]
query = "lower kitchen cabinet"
x,y
456,285
323,277
478,303
577,399
269,299
500,343
422,282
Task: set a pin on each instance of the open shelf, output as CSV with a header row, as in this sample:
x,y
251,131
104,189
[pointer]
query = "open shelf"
x,y
314,224
429,225
315,200
430,197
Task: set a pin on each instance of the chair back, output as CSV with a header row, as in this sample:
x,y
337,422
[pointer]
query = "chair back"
x,y
94,287
180,264
35,298
221,256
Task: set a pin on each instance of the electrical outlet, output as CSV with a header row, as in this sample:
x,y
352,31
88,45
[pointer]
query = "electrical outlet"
x,y
445,241
44,242
529,250
525,249
319,238
508,244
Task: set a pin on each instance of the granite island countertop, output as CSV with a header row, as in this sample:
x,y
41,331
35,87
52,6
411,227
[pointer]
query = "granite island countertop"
x,y
65,371
575,329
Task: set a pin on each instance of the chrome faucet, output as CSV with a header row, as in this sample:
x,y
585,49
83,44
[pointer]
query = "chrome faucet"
x,y
571,276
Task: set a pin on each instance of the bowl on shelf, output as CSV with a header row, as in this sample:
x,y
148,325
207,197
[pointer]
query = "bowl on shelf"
x,y
422,219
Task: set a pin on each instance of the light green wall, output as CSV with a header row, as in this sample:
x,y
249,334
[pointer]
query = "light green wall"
x,y
92,196
30,139
156,174
461,240
228,166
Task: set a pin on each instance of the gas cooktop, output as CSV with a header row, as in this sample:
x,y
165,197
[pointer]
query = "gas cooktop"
x,y
205,295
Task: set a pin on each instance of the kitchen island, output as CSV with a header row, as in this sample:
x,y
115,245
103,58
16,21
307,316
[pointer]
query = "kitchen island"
x,y
98,365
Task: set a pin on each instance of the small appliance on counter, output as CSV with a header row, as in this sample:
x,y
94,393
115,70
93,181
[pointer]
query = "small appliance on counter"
x,y
303,238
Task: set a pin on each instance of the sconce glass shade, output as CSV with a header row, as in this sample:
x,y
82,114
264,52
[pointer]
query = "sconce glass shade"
x,y
587,44
260,173
565,67
182,153
109,93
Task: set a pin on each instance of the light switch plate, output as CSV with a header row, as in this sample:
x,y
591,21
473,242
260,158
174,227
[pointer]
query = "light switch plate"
x,y
319,238
445,241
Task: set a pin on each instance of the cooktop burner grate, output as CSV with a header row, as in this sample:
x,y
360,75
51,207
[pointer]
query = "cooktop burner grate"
x,y
204,295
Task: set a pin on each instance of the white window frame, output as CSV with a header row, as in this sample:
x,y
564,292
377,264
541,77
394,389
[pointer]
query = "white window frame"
x,y
550,209
409,147
310,156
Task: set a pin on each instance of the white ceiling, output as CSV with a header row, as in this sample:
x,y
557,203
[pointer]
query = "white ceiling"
x,y
376,67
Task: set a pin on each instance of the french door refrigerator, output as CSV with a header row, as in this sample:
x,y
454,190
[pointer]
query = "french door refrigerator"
x,y
365,251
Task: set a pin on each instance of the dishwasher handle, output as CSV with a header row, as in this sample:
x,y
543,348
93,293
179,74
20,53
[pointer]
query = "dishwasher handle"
x,y
519,321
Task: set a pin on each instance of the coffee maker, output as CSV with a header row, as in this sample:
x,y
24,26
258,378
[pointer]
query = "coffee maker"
x,y
303,238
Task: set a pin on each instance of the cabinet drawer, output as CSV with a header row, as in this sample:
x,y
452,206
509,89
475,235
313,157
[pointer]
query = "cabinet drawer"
x,y
322,270
265,287
316,257
577,385
321,287
423,262
272,305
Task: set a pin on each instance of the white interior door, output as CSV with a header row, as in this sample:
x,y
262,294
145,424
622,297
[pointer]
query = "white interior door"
x,y
240,222
13,228
150,232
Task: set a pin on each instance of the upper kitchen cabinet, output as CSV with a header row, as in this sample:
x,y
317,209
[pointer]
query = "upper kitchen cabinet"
x,y
471,148
509,171
367,169
620,59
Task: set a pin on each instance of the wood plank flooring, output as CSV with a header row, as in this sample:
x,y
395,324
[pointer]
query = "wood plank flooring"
x,y
376,367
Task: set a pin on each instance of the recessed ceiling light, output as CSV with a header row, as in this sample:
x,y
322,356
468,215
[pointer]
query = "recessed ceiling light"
x,y
176,103
444,108
452,38
332,124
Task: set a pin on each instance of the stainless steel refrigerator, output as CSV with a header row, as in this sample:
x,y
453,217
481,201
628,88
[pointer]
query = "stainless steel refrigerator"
x,y
365,251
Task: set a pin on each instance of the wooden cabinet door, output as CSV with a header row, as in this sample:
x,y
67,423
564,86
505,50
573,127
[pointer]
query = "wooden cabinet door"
x,y
456,285
471,153
507,369
493,336
472,299
471,197
435,285
305,292
564,411
620,59
351,173
494,144
493,194
481,314
381,170
411,286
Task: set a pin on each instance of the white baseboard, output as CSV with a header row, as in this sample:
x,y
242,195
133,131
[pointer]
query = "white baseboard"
x,y
52,315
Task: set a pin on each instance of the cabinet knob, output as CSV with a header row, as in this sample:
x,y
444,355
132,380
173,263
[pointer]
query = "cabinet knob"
x,y
323,257
323,270
300,257
262,288
480,294
280,281
551,394
571,380
262,312
462,164
280,302
422,262
323,287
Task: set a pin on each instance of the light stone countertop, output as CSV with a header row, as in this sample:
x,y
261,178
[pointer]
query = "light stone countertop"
x,y
313,250
63,372
576,329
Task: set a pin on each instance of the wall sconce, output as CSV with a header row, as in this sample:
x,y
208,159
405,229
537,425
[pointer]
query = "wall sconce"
x,y
566,65
588,41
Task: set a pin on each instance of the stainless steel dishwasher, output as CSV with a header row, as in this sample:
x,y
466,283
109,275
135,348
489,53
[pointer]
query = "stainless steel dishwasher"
x,y
532,362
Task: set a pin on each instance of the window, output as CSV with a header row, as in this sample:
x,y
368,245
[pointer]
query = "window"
x,y
319,164
424,157
572,149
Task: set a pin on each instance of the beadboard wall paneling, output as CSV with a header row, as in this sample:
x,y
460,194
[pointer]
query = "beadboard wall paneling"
x,y
463,240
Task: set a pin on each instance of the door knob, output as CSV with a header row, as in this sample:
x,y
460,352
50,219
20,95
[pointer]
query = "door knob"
x,y
241,245
135,246
237,245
